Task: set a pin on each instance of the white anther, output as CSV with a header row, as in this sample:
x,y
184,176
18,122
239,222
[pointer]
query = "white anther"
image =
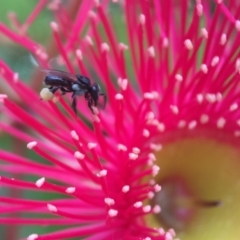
x,y
79,155
105,47
182,124
33,236
192,124
215,61
70,190
156,147
204,68
2,97
31,145
138,204
118,96
204,33
151,51
152,156
161,127
112,213
200,98
15,77
172,232
124,84
237,65
155,170
125,188
74,135
142,19
161,231
147,208
223,39
102,173
165,42
237,133
91,145
199,9
237,25
148,95
40,182
204,118
179,77
211,97
150,116
52,208
79,54
221,122
151,195
150,162
188,44
174,109
156,209
109,201
132,156
121,147
136,150
233,107
54,26
122,46
238,122
157,188
145,133
168,236
89,40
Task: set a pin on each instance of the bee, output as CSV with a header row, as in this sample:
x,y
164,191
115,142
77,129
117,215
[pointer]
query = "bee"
x,y
76,84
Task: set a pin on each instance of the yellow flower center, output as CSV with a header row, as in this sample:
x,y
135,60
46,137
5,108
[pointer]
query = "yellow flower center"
x,y
200,194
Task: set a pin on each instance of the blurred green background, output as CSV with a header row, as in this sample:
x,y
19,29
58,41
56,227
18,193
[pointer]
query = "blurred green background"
x,y
18,58
20,61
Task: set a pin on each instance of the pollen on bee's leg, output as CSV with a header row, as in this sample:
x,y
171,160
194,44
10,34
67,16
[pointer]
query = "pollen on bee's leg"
x,y
46,94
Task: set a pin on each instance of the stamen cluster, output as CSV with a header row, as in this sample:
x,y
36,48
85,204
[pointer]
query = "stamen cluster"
x,y
102,165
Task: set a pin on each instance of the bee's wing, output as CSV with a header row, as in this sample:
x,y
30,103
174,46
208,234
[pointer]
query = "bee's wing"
x,y
62,74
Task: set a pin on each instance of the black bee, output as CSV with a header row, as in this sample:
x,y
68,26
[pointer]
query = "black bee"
x,y
78,85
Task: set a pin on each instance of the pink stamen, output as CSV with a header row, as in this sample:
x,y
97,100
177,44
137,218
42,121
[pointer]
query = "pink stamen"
x,y
103,164
34,14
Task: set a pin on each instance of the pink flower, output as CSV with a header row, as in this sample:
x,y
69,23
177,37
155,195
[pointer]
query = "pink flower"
x,y
176,77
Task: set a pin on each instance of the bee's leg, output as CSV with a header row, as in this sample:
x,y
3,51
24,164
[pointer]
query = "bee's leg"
x,y
90,103
53,89
64,90
74,103
105,99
